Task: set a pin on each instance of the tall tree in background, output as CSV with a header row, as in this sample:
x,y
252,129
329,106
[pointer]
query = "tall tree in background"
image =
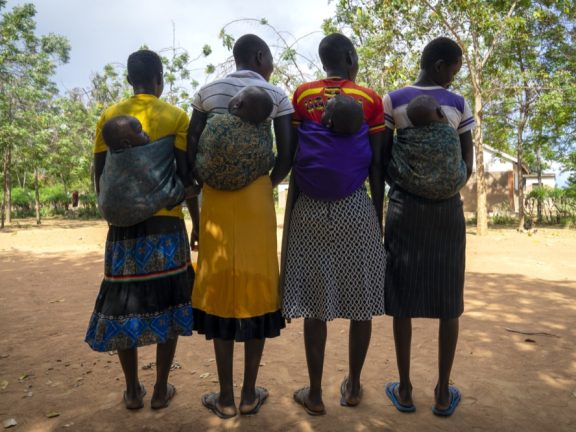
x,y
536,88
27,63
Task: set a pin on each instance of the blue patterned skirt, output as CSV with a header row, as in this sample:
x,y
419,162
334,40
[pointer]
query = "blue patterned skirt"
x,y
146,292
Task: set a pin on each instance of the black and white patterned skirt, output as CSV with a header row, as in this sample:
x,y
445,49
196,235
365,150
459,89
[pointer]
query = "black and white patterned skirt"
x,y
335,260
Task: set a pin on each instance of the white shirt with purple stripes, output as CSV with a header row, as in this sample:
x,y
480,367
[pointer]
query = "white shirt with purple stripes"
x,y
454,106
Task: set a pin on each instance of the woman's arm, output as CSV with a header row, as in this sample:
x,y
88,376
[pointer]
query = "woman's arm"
x,y
376,175
388,142
467,147
285,149
195,128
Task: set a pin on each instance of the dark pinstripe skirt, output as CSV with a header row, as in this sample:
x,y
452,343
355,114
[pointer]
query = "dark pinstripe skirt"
x,y
425,243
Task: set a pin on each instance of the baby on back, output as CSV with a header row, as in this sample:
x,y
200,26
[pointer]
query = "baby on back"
x,y
236,148
343,115
124,132
139,177
427,158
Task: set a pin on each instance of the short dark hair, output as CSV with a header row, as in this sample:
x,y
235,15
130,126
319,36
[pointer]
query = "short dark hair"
x,y
144,67
113,130
347,115
333,48
441,48
246,47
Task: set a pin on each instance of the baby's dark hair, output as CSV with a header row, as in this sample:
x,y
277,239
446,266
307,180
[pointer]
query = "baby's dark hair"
x,y
114,131
246,46
422,110
333,48
144,67
252,104
347,115
441,48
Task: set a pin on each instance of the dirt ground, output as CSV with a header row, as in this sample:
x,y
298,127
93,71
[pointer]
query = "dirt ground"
x,y
51,381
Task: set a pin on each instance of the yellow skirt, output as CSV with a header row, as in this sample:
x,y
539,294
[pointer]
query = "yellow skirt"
x,y
237,273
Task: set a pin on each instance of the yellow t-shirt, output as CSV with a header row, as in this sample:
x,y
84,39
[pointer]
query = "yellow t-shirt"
x,y
158,118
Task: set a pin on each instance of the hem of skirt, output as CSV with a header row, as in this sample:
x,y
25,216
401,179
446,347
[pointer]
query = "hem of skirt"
x,y
118,333
332,318
429,316
238,329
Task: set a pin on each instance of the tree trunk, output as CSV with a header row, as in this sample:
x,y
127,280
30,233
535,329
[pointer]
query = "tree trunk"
x,y
519,162
481,209
8,185
4,188
37,197
539,172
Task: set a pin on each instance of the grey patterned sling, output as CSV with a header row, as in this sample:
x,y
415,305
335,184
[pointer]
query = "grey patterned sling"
x,y
139,181
233,153
427,161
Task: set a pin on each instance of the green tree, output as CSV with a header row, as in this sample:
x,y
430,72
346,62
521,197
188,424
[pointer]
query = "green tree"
x,y
27,63
536,88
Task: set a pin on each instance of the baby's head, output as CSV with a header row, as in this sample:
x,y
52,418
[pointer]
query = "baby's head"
x,y
251,104
424,110
124,132
343,115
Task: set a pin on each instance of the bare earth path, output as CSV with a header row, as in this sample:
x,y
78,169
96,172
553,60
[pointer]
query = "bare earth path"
x,y
49,278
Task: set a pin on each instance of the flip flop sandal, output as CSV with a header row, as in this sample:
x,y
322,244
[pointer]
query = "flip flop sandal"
x,y
170,393
343,400
300,397
391,393
455,397
140,400
261,396
210,401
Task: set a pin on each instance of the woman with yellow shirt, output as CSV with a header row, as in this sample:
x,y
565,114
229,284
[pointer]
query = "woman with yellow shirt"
x,y
145,294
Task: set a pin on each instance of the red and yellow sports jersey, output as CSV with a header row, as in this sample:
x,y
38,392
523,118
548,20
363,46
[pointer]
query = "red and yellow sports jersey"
x,y
310,99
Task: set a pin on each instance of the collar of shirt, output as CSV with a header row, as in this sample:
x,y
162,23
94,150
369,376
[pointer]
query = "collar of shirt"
x,y
246,73
144,96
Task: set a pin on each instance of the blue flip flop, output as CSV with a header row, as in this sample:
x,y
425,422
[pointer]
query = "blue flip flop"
x,y
390,392
455,397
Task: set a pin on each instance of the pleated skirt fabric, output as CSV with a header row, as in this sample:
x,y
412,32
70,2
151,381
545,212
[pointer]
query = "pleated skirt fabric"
x,y
425,244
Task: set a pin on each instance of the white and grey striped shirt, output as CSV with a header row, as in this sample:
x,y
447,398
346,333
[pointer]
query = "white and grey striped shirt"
x,y
214,97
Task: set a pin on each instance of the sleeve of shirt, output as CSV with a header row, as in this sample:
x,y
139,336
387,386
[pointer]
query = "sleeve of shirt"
x,y
197,102
284,105
99,144
388,113
181,142
375,118
296,117
468,123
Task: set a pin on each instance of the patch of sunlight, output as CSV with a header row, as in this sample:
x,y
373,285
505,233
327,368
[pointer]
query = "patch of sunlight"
x,y
479,303
556,382
485,353
473,314
43,427
525,302
554,326
526,347
217,425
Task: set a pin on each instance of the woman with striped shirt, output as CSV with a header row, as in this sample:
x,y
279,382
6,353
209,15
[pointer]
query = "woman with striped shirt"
x,y
425,239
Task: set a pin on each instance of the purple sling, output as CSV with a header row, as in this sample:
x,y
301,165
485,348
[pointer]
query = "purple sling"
x,y
330,166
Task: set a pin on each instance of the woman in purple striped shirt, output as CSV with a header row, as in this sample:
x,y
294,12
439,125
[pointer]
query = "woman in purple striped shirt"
x,y
425,238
